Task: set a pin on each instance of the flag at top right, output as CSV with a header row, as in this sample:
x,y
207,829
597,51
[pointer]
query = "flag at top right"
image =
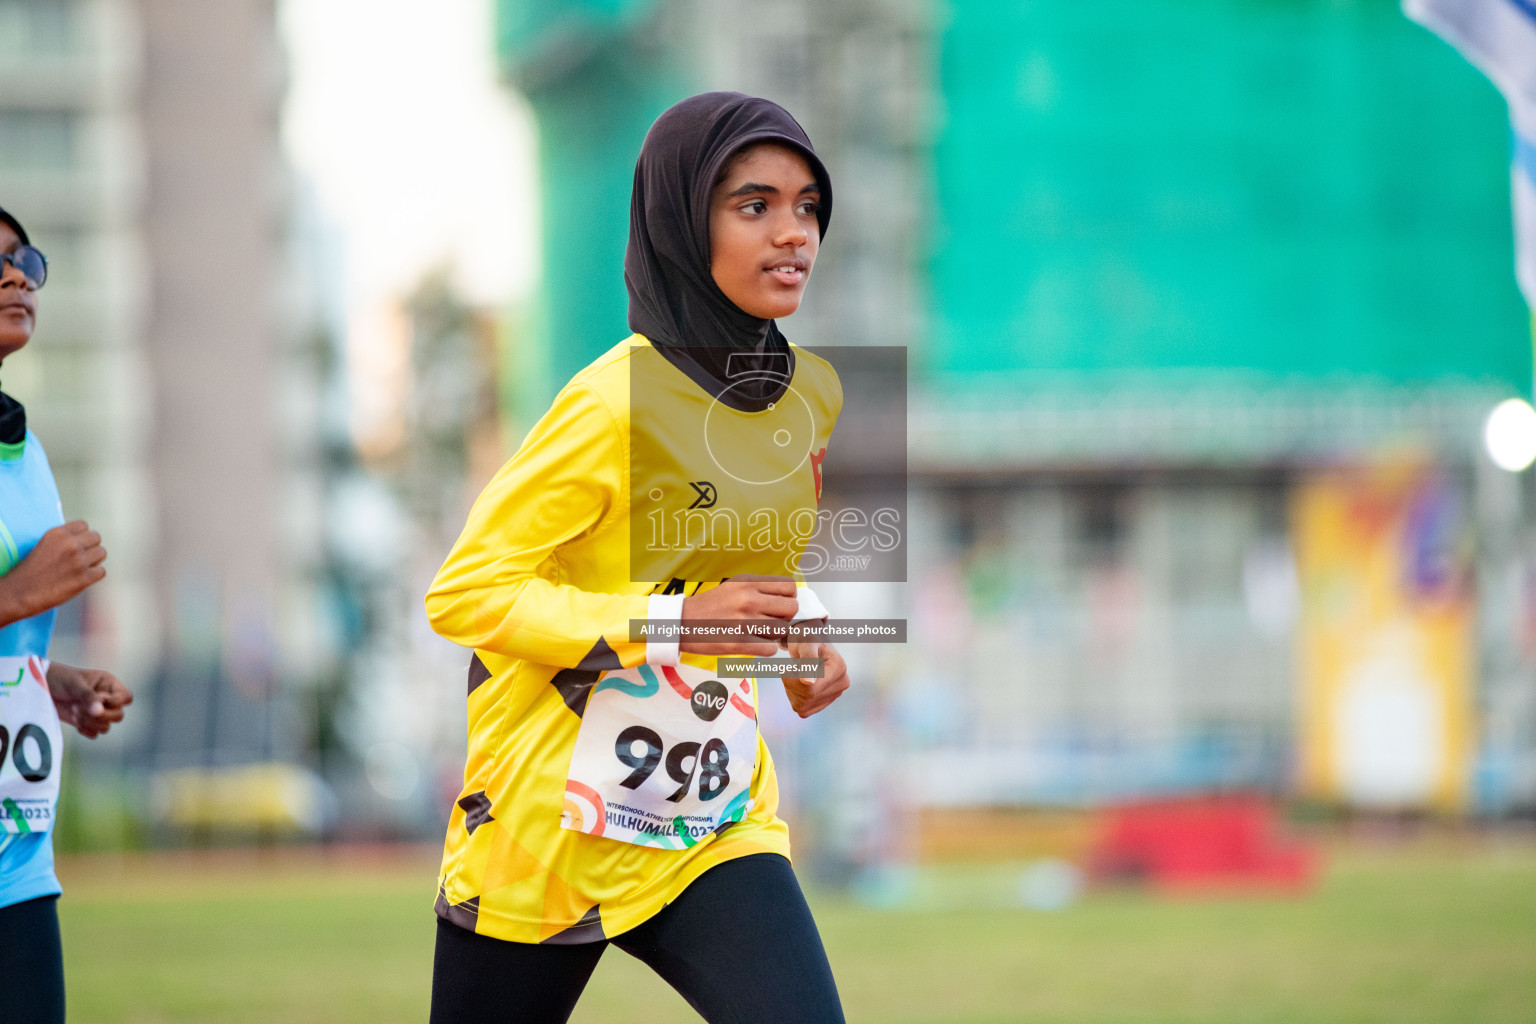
x,y
1499,38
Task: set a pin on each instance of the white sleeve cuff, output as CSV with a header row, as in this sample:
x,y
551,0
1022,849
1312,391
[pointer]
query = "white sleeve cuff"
x,y
810,605
664,609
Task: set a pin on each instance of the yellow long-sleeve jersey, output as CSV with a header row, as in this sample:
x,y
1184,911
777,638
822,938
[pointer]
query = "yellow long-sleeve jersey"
x,y
635,483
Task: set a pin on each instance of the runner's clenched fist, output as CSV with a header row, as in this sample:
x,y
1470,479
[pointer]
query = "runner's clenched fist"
x,y
66,560
90,699
808,696
765,604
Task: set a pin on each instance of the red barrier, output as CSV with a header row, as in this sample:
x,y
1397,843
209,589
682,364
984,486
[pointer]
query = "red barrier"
x,y
1200,844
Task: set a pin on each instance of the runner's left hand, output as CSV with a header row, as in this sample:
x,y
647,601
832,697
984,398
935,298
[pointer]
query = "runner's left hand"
x,y
90,699
808,696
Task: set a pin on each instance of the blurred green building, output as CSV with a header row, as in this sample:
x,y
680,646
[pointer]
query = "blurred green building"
x,y
1281,228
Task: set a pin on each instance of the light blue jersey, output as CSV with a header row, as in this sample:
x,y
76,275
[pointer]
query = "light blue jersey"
x,y
29,508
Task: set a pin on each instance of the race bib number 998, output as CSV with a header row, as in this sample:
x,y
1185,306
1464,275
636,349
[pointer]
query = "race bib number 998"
x,y
665,757
31,744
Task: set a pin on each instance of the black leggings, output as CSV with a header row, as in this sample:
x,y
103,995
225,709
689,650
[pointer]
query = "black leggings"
x,y
34,963
739,944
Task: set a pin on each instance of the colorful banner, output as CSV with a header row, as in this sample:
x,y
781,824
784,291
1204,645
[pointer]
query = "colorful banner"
x,y
1386,657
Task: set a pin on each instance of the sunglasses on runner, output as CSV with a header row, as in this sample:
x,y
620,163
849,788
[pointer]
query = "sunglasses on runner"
x,y
31,262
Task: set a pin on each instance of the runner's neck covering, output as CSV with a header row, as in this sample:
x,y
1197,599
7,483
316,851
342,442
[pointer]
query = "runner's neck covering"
x,y
13,420
673,298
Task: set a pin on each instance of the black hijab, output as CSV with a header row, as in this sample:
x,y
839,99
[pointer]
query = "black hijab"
x,y
673,298
13,418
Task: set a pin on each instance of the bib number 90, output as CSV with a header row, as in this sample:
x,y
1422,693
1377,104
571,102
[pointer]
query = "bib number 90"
x,y
33,769
709,762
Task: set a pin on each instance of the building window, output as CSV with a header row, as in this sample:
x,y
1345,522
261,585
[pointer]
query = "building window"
x,y
37,28
37,140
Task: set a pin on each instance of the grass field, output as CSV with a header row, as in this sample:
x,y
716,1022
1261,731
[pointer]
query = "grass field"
x,y
1399,936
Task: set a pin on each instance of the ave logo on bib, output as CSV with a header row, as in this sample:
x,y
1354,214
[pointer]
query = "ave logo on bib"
x,y
665,757
31,743
709,699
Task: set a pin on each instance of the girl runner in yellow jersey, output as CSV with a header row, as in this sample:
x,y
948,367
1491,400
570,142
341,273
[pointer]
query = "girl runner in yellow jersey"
x,y
616,790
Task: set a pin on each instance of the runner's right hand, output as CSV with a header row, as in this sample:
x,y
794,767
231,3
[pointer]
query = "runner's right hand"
x,y
66,560
766,601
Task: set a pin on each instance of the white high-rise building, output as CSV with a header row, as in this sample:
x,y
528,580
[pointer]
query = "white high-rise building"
x,y
71,168
169,376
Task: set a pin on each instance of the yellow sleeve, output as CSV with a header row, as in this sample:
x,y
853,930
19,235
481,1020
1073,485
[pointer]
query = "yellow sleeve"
x,y
499,589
